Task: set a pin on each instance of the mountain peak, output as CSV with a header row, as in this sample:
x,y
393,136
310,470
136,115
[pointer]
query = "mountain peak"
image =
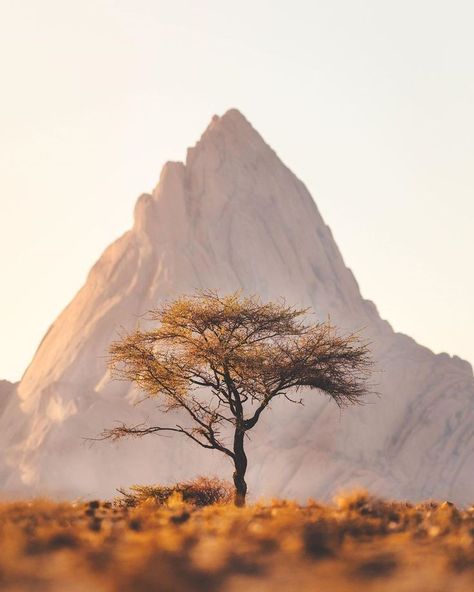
x,y
232,122
235,218
230,133
232,117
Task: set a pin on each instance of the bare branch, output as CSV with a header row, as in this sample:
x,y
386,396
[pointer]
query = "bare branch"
x,y
223,359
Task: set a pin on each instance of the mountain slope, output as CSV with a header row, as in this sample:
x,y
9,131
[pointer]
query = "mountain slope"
x,y
6,392
234,217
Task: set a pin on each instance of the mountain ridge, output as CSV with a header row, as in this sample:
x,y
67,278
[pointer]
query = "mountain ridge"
x,y
233,216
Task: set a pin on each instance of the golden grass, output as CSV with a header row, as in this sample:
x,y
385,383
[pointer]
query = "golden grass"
x,y
359,543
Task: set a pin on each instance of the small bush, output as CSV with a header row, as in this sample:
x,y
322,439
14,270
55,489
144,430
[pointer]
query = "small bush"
x,y
203,491
359,501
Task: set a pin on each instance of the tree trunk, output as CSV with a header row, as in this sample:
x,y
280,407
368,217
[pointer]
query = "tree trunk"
x,y
240,463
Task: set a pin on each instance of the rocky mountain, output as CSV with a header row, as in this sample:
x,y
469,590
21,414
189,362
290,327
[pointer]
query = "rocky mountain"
x,y
10,417
6,393
233,216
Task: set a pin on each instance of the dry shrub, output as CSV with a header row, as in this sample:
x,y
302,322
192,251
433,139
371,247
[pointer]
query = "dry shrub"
x,y
365,515
202,491
362,502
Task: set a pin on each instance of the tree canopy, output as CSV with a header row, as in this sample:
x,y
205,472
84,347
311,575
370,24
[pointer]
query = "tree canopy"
x,y
223,359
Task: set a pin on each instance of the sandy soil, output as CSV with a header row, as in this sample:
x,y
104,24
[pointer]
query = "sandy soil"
x,y
359,543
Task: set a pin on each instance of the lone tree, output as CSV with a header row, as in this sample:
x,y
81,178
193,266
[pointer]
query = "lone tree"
x,y
224,359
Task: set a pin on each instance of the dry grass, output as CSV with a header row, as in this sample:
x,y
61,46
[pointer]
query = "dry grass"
x,y
203,491
359,543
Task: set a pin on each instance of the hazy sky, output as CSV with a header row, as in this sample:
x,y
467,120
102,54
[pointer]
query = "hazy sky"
x,y
370,103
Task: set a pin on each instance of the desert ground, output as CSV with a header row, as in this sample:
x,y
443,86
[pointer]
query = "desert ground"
x,y
356,543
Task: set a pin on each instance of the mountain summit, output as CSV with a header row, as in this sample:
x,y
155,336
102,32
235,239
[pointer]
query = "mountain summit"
x,y
233,216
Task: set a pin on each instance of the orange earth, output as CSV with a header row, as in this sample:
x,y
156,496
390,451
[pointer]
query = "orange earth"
x,y
359,543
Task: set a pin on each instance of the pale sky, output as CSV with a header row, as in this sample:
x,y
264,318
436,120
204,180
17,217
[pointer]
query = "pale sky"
x,y
370,103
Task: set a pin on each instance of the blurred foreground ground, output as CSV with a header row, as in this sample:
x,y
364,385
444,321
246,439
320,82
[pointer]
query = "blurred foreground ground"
x,y
359,543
